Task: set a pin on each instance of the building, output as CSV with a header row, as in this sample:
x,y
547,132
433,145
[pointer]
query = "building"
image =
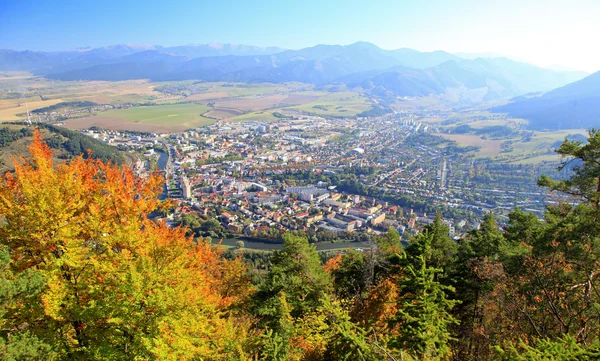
x,y
309,194
186,189
378,219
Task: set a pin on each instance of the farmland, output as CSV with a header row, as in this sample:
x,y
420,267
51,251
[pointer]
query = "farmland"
x,y
488,147
142,105
259,116
173,117
337,104
523,149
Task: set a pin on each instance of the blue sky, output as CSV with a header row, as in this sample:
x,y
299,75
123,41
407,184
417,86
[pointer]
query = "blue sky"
x,y
544,32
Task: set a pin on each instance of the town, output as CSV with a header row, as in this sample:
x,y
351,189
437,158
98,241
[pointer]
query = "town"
x,y
333,179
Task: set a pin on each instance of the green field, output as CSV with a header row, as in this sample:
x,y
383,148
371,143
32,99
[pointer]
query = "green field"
x,y
342,104
540,148
163,114
260,116
541,145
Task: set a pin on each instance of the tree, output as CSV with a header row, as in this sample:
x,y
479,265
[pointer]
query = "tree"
x,y
16,291
584,164
116,285
349,276
423,319
441,251
294,289
563,349
296,271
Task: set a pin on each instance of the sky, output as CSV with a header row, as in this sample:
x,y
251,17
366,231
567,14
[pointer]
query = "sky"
x,y
549,33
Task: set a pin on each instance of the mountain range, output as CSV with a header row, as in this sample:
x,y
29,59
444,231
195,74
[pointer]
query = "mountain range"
x,y
576,105
386,73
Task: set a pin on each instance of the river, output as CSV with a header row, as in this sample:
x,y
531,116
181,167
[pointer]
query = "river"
x,y
321,246
163,159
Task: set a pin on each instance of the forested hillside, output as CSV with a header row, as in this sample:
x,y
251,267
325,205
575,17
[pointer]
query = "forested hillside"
x,y
85,275
67,144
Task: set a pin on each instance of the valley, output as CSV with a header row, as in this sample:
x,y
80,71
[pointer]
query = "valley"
x,y
299,180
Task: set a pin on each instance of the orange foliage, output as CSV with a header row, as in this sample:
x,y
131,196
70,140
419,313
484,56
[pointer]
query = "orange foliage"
x,y
380,306
112,274
333,263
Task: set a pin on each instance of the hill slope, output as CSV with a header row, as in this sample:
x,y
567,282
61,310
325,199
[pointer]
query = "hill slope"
x,y
576,105
14,139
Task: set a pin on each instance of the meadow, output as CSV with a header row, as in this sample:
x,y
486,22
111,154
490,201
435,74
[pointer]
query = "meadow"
x,y
158,118
336,104
539,147
259,116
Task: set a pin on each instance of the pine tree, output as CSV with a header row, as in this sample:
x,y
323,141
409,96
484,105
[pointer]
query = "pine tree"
x,y
296,271
440,253
423,317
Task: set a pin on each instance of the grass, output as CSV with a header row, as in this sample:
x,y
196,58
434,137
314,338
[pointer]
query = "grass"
x,y
158,118
489,147
19,148
163,114
342,104
260,116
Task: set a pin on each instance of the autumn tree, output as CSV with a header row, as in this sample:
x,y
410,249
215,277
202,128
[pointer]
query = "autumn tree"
x,y
103,280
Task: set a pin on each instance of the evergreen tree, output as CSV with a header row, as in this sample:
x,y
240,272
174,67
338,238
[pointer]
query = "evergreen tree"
x,y
296,271
441,251
582,162
423,319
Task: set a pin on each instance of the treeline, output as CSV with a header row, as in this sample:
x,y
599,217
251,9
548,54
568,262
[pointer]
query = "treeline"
x,y
87,276
77,143
8,135
72,142
60,105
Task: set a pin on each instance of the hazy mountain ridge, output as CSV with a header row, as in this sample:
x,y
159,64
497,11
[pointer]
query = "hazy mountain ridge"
x,y
401,72
576,105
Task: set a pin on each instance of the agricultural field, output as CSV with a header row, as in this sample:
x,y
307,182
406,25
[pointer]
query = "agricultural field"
x,y
158,118
242,108
488,147
16,89
339,104
541,146
524,148
259,116
15,109
205,102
